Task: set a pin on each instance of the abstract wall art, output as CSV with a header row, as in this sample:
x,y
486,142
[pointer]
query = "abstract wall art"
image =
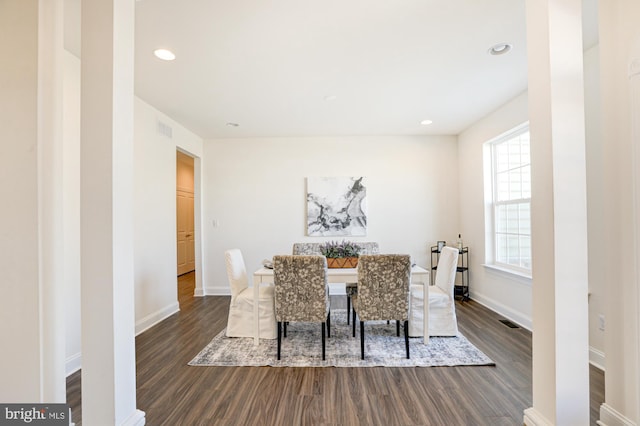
x,y
336,206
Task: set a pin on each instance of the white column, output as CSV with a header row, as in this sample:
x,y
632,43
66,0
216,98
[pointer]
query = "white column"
x,y
619,79
634,312
50,200
108,341
31,322
559,220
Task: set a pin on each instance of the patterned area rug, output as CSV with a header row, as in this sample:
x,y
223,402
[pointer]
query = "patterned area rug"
x,y
303,348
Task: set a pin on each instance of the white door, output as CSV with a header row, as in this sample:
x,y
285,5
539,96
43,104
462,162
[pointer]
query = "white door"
x,y
185,214
186,241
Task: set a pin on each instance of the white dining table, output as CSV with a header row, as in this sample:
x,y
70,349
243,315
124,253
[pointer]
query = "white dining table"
x,y
264,276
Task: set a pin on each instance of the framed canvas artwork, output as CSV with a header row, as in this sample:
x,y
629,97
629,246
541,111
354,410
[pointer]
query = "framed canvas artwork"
x,y
336,206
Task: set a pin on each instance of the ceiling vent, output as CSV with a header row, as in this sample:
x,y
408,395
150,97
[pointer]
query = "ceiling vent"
x,y
165,129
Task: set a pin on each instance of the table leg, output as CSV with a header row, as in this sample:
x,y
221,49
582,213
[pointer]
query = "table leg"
x,y
425,313
256,305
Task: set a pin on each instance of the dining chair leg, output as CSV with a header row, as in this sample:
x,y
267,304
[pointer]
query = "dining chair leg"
x,y
398,328
348,308
354,323
406,336
361,339
279,338
285,329
329,324
323,340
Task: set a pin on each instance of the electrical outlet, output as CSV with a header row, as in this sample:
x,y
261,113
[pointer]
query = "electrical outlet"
x,y
601,322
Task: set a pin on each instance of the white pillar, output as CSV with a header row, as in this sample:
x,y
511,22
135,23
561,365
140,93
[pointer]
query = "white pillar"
x,y
634,312
108,341
559,218
31,311
50,200
620,92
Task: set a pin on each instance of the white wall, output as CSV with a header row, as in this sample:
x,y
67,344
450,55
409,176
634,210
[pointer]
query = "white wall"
x,y
508,294
156,294
155,209
595,203
505,293
255,189
71,200
19,293
620,94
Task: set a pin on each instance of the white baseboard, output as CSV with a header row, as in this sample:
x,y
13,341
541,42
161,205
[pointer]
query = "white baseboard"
x,y
73,363
610,417
596,358
155,317
515,316
215,291
137,418
533,417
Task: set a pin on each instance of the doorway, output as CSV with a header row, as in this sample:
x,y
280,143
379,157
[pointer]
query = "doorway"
x,y
185,229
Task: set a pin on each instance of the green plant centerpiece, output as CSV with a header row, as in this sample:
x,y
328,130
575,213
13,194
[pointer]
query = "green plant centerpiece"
x,y
342,254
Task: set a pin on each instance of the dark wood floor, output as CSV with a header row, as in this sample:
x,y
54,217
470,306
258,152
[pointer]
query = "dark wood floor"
x,y
172,393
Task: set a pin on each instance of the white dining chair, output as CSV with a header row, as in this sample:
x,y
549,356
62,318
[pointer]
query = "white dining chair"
x,y
442,306
240,322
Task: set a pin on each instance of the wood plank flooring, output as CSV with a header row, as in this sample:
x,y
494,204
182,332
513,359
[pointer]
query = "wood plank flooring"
x,y
172,393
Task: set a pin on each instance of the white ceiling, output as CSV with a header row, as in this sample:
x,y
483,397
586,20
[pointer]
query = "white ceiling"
x,y
269,66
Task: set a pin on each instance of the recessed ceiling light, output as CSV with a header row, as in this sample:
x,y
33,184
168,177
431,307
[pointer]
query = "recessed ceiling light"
x,y
500,49
230,124
164,54
426,122
330,98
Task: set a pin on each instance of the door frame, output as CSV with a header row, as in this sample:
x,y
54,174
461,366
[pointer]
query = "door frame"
x,y
197,219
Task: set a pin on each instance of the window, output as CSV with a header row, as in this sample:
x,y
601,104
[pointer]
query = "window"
x,y
508,193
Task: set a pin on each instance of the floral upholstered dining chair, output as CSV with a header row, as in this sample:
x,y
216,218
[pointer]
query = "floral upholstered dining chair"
x,y
306,248
351,288
366,247
383,292
301,293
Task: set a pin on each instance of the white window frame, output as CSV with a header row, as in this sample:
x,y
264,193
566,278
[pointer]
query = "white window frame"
x,y
490,204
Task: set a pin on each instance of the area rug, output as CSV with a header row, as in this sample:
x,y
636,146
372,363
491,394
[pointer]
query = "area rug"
x,y
303,348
